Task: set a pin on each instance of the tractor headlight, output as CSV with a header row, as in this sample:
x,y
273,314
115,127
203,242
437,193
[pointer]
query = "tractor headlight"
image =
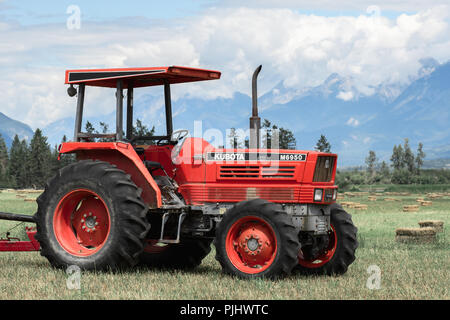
x,y
318,193
334,194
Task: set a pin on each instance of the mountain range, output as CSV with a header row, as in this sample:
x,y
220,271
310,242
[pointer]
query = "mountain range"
x,y
10,127
354,122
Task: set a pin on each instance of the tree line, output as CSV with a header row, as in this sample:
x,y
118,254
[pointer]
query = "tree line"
x,y
405,167
30,165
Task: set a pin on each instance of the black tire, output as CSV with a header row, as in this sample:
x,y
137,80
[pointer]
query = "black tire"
x,y
188,254
346,245
128,226
284,258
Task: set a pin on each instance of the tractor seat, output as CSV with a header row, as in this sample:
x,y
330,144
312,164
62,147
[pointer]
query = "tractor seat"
x,y
153,165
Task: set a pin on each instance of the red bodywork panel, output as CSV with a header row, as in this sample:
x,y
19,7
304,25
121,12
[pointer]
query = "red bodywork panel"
x,y
125,158
202,178
141,77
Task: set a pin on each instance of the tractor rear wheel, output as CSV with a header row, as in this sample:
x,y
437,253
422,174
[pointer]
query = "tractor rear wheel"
x,y
91,215
256,238
187,254
340,252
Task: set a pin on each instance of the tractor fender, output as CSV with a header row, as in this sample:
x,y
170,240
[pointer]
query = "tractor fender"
x,y
125,158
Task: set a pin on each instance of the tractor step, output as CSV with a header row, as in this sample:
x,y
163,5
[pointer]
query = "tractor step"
x,y
165,217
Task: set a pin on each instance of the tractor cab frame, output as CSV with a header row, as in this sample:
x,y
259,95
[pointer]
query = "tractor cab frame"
x,y
129,79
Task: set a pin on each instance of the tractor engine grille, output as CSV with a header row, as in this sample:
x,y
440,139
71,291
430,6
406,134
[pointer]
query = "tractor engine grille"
x,y
324,169
256,172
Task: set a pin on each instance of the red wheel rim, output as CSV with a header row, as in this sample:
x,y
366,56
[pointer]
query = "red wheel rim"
x,y
251,245
81,222
325,257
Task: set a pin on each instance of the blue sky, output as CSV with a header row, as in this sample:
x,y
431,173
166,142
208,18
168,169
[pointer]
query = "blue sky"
x,y
299,42
29,12
37,12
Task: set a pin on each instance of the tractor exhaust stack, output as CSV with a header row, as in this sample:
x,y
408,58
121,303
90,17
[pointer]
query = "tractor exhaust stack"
x,y
255,120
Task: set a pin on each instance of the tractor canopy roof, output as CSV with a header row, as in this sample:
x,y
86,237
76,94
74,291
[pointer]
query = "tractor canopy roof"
x,y
139,77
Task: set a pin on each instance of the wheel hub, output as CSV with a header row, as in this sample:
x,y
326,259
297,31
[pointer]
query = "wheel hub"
x,y
253,244
89,222
81,222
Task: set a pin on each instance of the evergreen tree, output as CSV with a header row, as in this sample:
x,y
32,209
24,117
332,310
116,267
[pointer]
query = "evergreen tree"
x,y
266,134
408,157
89,127
323,145
287,139
274,137
371,160
66,159
234,139
18,164
104,126
141,130
419,157
40,164
397,157
384,171
4,161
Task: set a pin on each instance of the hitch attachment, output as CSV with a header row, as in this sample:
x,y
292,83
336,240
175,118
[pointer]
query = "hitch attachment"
x,y
15,244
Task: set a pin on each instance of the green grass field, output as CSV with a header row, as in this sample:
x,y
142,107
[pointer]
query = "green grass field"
x,y
408,271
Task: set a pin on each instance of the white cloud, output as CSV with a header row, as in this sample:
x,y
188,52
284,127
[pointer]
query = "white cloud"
x,y
352,122
345,95
300,50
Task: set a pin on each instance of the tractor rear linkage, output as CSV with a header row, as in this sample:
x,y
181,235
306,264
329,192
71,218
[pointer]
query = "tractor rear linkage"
x,y
15,244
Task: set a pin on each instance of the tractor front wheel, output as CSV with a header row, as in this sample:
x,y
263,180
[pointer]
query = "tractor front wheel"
x,y
256,238
91,215
340,251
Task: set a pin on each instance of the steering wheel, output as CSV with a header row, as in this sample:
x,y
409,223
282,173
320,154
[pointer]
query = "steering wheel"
x,y
176,136
179,135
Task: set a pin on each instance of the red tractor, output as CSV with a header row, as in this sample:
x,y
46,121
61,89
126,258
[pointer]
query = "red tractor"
x,y
161,200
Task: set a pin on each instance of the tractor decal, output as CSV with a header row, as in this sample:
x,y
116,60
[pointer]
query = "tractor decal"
x,y
255,156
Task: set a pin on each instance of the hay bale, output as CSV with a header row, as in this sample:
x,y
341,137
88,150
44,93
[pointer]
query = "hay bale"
x,y
405,194
411,208
29,200
20,196
437,225
372,198
417,235
360,206
389,199
35,191
349,194
346,204
426,203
